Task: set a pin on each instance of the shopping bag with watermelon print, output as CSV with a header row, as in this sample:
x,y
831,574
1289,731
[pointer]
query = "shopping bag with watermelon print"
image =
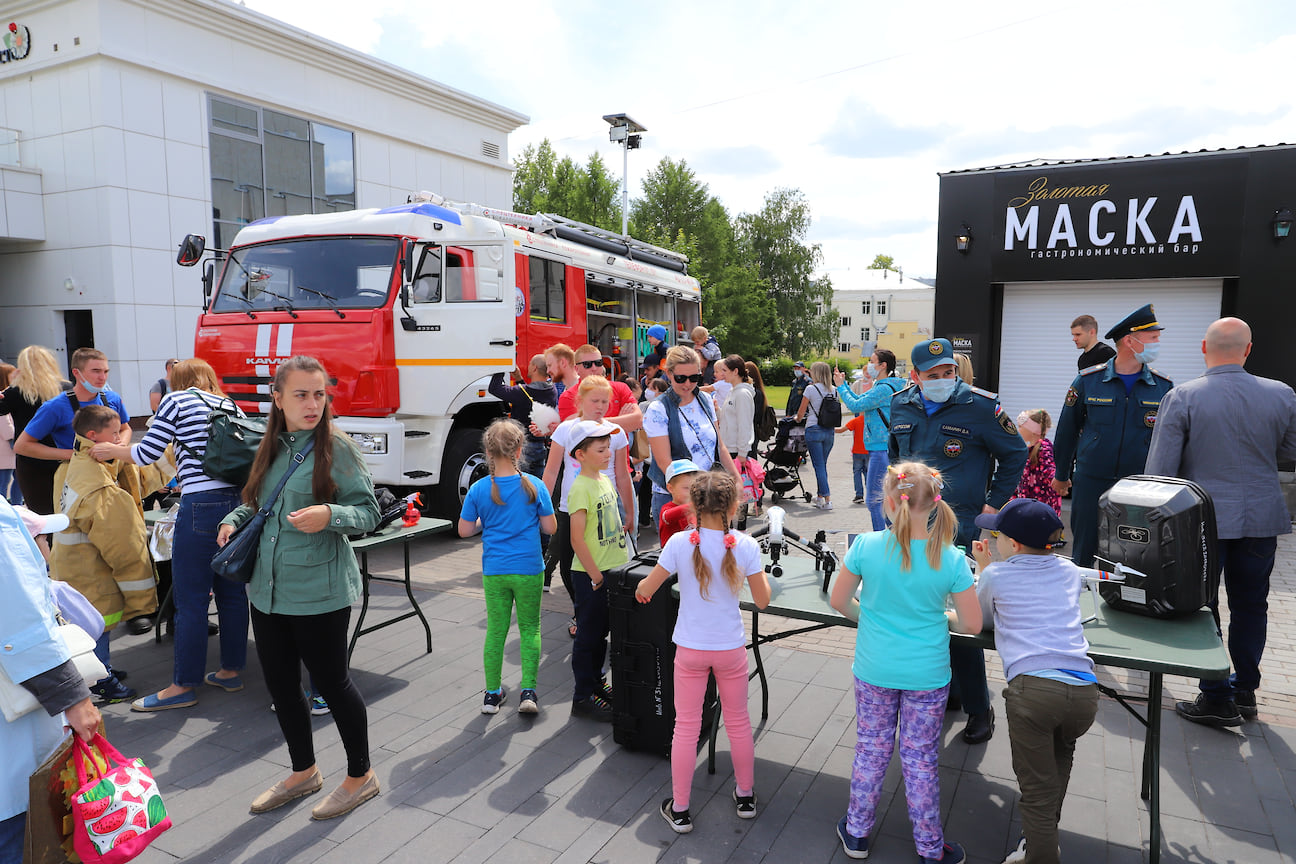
x,y
118,813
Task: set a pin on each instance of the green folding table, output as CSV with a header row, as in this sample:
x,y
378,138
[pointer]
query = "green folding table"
x,y
1188,646
395,533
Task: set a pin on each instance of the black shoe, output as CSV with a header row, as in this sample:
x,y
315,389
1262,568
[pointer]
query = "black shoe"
x,y
979,727
121,674
678,819
595,708
1210,712
212,628
139,626
745,805
605,690
110,691
1246,703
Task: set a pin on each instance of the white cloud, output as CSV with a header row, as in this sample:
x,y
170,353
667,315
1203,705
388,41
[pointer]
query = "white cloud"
x,y
858,104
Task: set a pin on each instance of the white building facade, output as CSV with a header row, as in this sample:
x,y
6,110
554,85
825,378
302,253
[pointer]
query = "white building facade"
x,y
881,309
127,124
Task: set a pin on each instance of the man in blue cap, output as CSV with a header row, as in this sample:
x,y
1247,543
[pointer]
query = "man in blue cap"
x,y
963,433
1106,424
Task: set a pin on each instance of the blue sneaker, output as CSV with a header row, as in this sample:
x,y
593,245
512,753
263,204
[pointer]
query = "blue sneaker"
x,y
951,853
855,847
318,707
110,690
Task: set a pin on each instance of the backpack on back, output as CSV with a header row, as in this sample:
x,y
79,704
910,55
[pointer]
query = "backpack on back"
x,y
829,414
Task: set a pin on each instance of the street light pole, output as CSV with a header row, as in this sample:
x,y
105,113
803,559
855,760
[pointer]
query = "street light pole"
x,y
626,132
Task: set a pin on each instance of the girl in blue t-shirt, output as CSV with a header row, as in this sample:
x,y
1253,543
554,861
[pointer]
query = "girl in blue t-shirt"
x,y
512,509
901,666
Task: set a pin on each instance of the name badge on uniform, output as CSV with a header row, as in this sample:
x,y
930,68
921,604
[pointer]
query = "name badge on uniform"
x,y
902,427
1099,400
951,429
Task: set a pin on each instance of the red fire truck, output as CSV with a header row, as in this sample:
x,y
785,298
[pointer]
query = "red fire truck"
x,y
411,311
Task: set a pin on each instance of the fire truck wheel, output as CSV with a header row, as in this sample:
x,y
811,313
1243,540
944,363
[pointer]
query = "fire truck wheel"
x,y
463,465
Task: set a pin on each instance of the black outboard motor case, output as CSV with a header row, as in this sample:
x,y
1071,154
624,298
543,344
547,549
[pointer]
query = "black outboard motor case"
x,y
1163,527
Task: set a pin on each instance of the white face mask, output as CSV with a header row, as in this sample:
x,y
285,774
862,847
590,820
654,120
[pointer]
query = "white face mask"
x,y
871,371
938,389
1150,352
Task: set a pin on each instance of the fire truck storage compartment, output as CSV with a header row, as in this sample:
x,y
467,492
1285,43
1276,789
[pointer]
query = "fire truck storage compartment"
x,y
609,312
1164,528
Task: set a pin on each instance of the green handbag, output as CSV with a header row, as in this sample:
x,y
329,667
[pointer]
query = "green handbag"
x,y
232,442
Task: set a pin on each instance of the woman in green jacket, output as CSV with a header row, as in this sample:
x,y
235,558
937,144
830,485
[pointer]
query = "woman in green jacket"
x,y
306,579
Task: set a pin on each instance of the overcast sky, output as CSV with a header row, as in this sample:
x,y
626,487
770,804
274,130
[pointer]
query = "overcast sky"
x,y
858,104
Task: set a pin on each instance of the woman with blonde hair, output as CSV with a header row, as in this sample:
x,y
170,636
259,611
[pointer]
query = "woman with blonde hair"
x,y
36,381
181,419
819,439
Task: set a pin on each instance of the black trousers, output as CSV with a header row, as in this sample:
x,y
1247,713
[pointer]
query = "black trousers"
x,y
284,643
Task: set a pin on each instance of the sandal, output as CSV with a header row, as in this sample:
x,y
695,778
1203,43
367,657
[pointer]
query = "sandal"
x,y
571,628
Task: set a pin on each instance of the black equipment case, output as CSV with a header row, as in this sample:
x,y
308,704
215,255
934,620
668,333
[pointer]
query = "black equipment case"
x,y
643,661
1164,527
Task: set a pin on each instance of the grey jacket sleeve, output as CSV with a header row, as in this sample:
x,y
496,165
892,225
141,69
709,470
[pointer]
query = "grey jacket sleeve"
x,y
1169,435
58,689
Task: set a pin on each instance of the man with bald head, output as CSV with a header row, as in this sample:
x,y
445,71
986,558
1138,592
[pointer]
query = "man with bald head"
x,y
1227,431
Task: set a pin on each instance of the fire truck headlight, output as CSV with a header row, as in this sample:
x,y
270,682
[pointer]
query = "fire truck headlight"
x,y
370,443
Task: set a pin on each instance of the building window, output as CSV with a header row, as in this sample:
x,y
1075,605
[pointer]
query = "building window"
x,y
844,347
548,291
866,334
881,307
864,307
266,163
845,321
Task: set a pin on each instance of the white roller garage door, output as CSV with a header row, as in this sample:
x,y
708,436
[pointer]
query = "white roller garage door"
x,y
1037,360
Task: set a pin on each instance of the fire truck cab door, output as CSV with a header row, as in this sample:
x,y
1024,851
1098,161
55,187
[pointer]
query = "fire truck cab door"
x,y
457,326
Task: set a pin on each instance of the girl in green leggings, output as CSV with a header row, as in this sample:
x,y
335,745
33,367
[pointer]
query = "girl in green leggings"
x,y
510,508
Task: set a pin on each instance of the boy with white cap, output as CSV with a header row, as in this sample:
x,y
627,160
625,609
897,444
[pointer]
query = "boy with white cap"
x,y
677,515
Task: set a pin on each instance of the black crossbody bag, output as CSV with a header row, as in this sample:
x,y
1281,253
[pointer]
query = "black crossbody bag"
x,y
237,558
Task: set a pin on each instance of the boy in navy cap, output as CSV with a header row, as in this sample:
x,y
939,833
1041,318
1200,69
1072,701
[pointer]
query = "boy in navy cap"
x,y
1033,599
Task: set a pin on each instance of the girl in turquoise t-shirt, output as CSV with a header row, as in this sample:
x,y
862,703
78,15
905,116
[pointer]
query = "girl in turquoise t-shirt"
x,y
901,667
512,508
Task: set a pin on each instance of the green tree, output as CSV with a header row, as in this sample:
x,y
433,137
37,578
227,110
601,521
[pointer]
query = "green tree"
x,y
772,241
740,311
882,262
543,183
673,201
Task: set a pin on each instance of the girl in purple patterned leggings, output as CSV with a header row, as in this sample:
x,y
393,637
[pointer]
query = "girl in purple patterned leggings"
x,y
901,666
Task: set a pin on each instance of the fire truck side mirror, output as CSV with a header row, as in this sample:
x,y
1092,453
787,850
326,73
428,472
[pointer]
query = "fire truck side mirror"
x,y
208,279
191,250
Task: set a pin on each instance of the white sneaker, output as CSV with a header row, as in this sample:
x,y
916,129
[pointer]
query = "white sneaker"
x,y
1017,855
817,503
827,505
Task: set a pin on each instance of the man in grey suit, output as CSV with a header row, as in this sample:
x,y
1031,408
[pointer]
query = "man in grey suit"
x,y
1227,431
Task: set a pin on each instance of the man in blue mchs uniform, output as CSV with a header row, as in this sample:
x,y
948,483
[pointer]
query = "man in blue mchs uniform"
x,y
962,432
1106,424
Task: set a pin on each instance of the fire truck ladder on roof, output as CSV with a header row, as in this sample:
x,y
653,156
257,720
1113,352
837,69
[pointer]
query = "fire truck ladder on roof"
x,y
569,229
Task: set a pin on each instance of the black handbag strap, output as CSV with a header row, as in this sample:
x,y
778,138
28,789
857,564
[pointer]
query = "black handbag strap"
x,y
297,459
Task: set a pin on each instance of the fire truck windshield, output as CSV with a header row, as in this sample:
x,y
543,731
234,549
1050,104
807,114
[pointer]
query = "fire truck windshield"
x,y
308,273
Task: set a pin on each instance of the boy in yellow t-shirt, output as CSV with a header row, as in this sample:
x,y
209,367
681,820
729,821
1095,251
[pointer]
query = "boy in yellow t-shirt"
x,y
598,539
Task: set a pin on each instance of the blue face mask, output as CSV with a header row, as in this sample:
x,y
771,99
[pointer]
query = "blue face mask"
x,y
871,371
938,389
93,389
1150,352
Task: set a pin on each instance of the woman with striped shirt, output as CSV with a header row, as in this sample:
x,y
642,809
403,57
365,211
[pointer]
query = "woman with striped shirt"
x,y
182,419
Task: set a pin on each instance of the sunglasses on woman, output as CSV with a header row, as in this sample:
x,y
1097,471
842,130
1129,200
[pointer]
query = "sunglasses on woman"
x,y
696,379
589,364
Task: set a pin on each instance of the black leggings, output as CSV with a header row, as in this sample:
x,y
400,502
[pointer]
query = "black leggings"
x,y
284,643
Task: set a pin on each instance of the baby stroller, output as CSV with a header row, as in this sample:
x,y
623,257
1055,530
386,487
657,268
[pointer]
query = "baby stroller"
x,y
784,459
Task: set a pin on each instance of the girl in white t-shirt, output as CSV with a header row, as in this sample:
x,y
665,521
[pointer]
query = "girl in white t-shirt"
x,y
593,398
713,562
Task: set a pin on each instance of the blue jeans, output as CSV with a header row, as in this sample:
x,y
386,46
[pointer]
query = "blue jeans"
x,y
590,648
859,465
819,441
12,832
1247,563
659,500
877,467
193,582
9,487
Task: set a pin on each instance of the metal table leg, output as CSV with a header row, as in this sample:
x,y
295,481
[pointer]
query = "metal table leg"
x,y
1151,791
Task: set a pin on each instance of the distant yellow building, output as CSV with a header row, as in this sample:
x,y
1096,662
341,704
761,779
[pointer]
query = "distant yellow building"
x,y
899,338
881,309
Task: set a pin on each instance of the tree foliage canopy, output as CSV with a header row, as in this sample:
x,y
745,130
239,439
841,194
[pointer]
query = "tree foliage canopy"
x,y
759,294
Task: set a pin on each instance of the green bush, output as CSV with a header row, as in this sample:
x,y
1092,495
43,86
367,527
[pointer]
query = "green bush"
x,y
778,372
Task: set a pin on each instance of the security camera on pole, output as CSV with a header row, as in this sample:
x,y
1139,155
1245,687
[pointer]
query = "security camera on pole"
x,y
626,132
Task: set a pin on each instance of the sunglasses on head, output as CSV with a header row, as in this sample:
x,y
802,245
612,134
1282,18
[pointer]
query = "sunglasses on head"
x,y
589,364
696,379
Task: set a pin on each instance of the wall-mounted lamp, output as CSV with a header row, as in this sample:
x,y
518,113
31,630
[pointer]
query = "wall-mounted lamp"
x,y
963,239
1282,222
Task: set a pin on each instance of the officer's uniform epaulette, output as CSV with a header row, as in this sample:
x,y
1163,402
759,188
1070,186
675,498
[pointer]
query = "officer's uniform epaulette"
x,y
1093,369
985,393
1161,375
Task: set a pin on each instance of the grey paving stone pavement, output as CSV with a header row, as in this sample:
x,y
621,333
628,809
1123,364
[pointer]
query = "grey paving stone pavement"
x,y
463,787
